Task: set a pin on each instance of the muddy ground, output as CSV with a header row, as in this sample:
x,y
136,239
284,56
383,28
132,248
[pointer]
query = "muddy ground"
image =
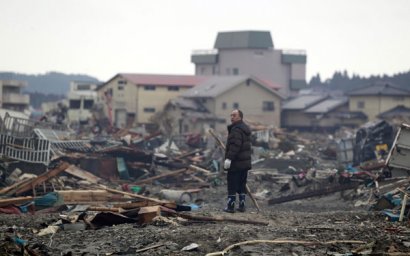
x,y
331,219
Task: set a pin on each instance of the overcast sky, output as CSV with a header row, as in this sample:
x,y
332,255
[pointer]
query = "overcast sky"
x,y
104,37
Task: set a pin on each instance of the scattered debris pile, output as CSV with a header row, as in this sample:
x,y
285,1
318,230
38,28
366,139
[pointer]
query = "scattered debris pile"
x,y
127,178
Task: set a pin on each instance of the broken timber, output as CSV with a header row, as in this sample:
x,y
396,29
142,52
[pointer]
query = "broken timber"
x,y
41,178
319,192
168,204
173,173
220,219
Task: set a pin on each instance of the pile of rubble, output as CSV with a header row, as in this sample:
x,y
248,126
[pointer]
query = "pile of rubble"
x,y
127,177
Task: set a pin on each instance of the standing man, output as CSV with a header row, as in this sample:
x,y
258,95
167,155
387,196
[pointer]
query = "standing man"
x,y
237,160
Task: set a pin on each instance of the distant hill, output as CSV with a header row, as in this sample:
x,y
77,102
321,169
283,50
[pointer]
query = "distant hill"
x,y
343,82
48,83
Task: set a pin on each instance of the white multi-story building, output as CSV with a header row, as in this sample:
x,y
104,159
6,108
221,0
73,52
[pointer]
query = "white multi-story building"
x,y
81,98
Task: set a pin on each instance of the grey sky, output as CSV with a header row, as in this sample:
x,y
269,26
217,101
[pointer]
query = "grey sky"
x,y
104,37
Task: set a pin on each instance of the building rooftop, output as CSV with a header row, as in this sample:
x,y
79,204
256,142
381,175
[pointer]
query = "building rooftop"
x,y
327,105
303,102
380,88
164,80
243,39
217,85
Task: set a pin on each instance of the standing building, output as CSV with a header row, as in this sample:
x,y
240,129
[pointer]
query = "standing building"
x,y
81,98
253,53
259,100
11,96
130,99
378,98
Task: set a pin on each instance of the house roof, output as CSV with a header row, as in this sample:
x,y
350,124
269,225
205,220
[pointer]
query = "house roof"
x,y
217,85
303,101
158,79
327,105
165,80
187,104
396,111
380,88
243,39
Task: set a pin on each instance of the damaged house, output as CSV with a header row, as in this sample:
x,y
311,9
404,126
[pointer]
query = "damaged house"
x,y
184,115
319,112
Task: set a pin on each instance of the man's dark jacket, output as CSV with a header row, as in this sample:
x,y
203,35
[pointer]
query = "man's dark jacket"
x,y
238,146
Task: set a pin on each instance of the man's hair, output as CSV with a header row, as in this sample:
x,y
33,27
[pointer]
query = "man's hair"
x,y
240,113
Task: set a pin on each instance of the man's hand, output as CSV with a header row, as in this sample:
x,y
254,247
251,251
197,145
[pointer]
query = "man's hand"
x,y
227,164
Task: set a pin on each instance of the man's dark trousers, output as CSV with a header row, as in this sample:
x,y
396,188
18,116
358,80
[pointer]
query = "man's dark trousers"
x,y
237,181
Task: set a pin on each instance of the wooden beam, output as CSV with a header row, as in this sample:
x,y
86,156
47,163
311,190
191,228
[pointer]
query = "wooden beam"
x,y
220,219
15,185
173,173
15,200
168,204
41,178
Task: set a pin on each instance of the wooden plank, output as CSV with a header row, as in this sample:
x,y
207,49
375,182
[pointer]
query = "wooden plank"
x,y
15,185
15,200
168,174
82,174
146,214
197,168
41,178
85,195
168,204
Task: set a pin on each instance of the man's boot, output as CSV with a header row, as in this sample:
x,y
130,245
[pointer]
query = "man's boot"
x,y
241,207
230,206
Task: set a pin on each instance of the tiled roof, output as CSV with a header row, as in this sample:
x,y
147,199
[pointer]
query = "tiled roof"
x,y
380,88
396,111
303,102
327,105
217,85
164,80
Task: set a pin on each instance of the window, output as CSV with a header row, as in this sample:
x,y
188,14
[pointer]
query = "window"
x,y
83,87
203,69
248,82
360,104
88,104
149,110
268,106
75,104
235,71
223,105
120,87
399,98
149,87
122,82
235,105
173,88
